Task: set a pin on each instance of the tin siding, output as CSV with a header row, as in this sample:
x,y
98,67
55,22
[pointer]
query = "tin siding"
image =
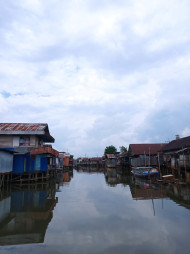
x,y
37,162
18,164
41,162
6,162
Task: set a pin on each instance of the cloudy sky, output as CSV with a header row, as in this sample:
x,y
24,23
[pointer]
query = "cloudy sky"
x,y
99,73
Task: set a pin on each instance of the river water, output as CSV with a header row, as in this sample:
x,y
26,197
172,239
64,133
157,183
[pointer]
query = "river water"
x,y
95,212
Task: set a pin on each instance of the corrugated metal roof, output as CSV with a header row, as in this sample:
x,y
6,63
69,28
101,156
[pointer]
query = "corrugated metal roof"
x,y
27,129
111,156
138,149
122,154
96,159
22,126
177,144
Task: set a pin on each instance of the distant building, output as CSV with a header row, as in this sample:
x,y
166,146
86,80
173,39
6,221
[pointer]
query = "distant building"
x,y
123,159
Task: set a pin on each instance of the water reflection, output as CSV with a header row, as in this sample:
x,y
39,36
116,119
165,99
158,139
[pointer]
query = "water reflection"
x,y
26,213
90,170
114,176
99,211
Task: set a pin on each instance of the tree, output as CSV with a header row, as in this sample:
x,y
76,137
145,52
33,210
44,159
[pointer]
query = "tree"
x,y
123,149
110,149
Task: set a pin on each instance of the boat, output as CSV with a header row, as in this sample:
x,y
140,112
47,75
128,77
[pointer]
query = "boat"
x,y
145,172
167,178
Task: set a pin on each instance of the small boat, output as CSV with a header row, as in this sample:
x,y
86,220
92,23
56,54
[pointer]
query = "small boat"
x,y
145,172
168,178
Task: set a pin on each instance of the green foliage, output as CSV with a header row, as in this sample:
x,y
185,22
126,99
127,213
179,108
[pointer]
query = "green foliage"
x,y
123,149
110,149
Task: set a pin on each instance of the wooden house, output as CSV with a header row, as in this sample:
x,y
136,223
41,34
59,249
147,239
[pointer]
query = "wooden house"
x,y
83,161
24,135
145,154
111,160
123,159
95,161
176,154
24,138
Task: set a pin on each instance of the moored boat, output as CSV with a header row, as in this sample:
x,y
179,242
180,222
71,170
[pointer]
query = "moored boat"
x,y
145,172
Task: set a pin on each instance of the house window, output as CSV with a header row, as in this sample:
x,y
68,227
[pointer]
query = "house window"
x,y
24,141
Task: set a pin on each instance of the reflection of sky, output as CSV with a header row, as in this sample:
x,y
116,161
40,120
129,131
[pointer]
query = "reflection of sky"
x,y
92,217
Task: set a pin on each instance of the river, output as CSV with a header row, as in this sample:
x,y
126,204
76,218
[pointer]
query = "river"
x,y
95,212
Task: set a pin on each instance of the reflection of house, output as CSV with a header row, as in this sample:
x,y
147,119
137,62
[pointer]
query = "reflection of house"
x,y
26,217
177,154
115,176
179,194
144,154
5,208
142,189
111,177
66,177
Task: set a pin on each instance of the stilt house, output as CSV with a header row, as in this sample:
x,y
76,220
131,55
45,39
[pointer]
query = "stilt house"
x,y
144,154
25,138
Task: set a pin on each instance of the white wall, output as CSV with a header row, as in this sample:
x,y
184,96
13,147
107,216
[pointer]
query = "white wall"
x,y
16,141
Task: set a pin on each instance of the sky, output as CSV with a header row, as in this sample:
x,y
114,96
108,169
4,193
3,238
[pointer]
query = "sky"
x,y
99,73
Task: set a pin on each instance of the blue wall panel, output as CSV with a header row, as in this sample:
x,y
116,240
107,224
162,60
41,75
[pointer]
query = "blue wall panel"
x,y
23,163
18,164
43,163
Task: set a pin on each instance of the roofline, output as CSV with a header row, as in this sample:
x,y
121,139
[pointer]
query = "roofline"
x,y
21,132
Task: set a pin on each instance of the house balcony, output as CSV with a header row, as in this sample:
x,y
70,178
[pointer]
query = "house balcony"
x,y
44,150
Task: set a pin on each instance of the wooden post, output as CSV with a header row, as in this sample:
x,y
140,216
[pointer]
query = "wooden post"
x,y
184,165
149,156
159,165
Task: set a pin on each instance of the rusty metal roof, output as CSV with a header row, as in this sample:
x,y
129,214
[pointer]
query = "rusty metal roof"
x,y
177,144
122,154
27,129
139,149
96,158
22,126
